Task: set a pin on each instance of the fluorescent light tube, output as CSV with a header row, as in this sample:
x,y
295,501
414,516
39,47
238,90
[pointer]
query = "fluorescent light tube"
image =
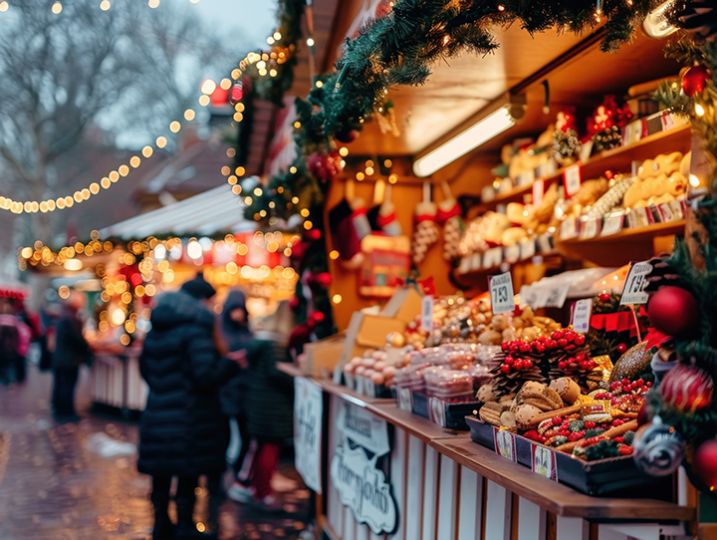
x,y
482,131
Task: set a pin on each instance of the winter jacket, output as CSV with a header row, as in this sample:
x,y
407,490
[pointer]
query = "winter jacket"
x,y
71,347
182,430
237,337
270,397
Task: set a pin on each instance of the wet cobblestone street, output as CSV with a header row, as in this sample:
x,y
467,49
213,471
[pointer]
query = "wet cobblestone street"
x,y
55,486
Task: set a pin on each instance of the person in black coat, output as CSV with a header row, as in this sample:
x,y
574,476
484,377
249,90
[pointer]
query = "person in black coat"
x,y
183,432
237,336
71,351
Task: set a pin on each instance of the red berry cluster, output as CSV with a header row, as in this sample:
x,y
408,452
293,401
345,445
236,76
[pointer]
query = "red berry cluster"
x,y
566,340
512,363
625,386
579,362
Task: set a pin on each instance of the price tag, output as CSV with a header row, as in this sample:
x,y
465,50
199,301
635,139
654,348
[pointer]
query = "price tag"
x,y
589,228
572,180
427,313
569,229
505,444
666,213
538,192
556,296
612,225
528,295
360,385
511,254
501,293
527,249
437,411
544,462
405,400
581,315
633,293
492,257
369,388
667,120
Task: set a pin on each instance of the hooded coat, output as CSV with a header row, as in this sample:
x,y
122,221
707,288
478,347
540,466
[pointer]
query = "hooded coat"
x,y
237,337
182,431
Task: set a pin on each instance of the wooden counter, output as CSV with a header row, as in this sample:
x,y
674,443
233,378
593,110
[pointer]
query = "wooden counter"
x,y
459,489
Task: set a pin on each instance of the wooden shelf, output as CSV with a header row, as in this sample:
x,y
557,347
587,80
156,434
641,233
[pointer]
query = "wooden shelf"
x,y
617,159
552,496
628,245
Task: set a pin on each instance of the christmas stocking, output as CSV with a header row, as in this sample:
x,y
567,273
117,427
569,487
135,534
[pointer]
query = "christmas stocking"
x,y
359,217
387,218
344,236
425,233
449,214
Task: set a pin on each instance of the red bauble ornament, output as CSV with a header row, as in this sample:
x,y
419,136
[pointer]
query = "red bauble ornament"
x,y
604,296
621,348
219,97
313,235
705,462
694,80
673,311
236,94
323,279
294,303
687,388
317,317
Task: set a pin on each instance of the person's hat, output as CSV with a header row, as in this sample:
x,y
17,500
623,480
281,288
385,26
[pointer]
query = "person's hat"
x,y
198,288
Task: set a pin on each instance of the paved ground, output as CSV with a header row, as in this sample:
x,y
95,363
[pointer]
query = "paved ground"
x,y
54,486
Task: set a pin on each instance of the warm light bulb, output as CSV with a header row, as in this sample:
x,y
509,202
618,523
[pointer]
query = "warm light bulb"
x,y
699,110
105,5
153,3
189,115
56,8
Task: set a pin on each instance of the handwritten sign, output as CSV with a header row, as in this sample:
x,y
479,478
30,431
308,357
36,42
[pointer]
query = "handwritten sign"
x,y
581,315
634,291
308,410
572,180
501,293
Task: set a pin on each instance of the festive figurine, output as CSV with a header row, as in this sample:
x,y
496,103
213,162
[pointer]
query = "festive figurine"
x,y
449,214
566,144
425,233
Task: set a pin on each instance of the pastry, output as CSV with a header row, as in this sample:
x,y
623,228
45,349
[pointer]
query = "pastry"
x,y
526,414
567,389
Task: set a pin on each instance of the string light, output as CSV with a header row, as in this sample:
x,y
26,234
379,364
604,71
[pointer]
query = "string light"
x,y
95,187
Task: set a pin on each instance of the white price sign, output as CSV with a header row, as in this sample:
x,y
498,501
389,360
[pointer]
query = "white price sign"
x,y
581,315
634,291
589,228
427,313
501,293
569,229
504,442
572,180
612,225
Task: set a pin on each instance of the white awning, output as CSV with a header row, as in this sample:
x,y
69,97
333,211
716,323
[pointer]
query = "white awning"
x,y
215,211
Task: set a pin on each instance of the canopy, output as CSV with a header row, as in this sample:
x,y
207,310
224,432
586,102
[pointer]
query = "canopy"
x,y
214,211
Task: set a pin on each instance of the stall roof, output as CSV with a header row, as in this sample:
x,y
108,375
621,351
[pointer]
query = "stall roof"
x,y
215,211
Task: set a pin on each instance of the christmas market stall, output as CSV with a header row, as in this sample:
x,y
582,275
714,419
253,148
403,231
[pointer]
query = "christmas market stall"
x,y
124,266
507,209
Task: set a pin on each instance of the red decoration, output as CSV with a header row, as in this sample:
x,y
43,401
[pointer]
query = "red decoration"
x,y
687,388
705,462
604,296
694,80
324,167
219,97
316,317
323,279
673,311
294,303
384,8
237,93
313,235
621,348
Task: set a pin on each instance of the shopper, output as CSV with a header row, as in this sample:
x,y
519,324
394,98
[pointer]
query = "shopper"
x,y
10,342
269,404
237,336
183,433
71,351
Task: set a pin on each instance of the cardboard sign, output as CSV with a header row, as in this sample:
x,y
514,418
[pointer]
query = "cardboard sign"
x,y
633,293
505,444
538,192
308,410
501,293
581,315
427,313
544,462
572,180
